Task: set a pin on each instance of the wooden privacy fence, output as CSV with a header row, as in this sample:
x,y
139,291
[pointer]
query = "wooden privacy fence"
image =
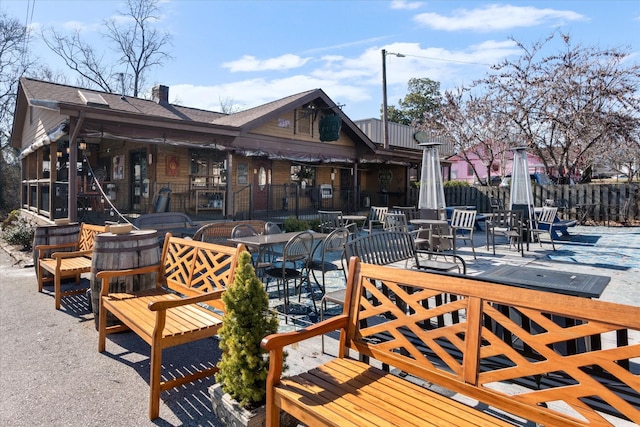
x,y
597,202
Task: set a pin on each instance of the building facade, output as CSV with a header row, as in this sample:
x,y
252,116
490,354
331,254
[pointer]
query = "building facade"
x,y
89,150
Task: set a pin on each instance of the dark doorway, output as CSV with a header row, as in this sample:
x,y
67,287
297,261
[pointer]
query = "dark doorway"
x,y
139,181
261,181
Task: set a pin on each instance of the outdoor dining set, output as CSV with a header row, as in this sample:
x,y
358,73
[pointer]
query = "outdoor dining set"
x,y
302,263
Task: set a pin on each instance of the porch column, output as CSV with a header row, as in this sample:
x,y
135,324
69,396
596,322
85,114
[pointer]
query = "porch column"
x,y
228,206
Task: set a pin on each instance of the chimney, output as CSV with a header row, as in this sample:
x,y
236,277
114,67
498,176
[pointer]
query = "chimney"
x,y
160,94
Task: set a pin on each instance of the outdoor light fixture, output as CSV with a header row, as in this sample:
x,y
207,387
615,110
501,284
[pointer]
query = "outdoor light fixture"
x,y
385,119
82,144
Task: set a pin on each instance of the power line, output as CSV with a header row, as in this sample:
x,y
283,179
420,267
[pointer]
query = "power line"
x,y
27,22
447,60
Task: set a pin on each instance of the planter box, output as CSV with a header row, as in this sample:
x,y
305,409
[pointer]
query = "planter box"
x,y
232,415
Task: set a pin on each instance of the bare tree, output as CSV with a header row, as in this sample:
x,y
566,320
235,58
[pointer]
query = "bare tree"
x,y
623,155
13,62
569,104
13,42
138,46
92,69
228,106
477,132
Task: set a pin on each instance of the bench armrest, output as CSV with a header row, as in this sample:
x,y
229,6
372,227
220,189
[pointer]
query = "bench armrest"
x,y
275,344
165,305
43,248
60,255
278,341
106,275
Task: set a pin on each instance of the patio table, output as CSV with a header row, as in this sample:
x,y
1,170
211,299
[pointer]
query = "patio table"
x,y
263,241
354,219
431,223
562,282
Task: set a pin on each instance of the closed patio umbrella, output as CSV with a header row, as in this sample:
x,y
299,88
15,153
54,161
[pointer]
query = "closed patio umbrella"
x,y
431,195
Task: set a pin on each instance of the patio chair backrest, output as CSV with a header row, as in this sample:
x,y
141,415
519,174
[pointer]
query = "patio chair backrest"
x,y
496,204
243,230
547,215
299,247
411,212
463,219
272,228
330,220
504,219
377,213
376,217
336,240
395,222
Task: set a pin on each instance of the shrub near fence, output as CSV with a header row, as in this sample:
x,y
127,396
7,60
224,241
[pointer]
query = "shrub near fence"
x,y
611,202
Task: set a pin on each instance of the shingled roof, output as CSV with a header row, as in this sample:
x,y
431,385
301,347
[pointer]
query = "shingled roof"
x,y
119,116
38,91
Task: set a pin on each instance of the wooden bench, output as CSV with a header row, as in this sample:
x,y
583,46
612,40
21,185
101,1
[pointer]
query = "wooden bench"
x,y
190,274
176,223
386,320
220,232
73,262
389,247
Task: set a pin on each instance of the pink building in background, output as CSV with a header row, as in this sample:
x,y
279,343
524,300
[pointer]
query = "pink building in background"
x,y
461,170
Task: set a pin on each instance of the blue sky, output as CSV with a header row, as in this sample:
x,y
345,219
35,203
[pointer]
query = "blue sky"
x,y
253,52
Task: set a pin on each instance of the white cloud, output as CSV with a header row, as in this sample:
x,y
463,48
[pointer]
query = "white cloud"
x,y
353,81
495,17
405,5
251,63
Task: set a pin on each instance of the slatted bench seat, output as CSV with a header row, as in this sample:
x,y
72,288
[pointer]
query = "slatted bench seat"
x,y
189,275
386,320
75,261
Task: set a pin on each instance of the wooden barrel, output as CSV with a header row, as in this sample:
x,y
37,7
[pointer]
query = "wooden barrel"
x,y
138,248
53,235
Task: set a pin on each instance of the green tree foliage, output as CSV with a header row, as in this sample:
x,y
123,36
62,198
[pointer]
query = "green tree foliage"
x,y
423,97
244,365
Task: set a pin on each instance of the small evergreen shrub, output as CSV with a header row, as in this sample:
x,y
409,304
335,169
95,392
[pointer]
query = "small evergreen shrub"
x,y
294,224
244,364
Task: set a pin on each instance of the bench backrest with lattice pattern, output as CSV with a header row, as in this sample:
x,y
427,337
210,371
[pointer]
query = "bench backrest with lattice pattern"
x,y
87,235
508,346
191,267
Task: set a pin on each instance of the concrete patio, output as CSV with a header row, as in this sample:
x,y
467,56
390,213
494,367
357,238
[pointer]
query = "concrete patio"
x,y
52,373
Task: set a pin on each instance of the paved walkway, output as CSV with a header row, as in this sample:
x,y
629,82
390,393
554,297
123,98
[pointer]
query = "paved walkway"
x,y
52,374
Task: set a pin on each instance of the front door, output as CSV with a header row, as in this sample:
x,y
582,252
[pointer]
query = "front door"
x,y
139,181
261,184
